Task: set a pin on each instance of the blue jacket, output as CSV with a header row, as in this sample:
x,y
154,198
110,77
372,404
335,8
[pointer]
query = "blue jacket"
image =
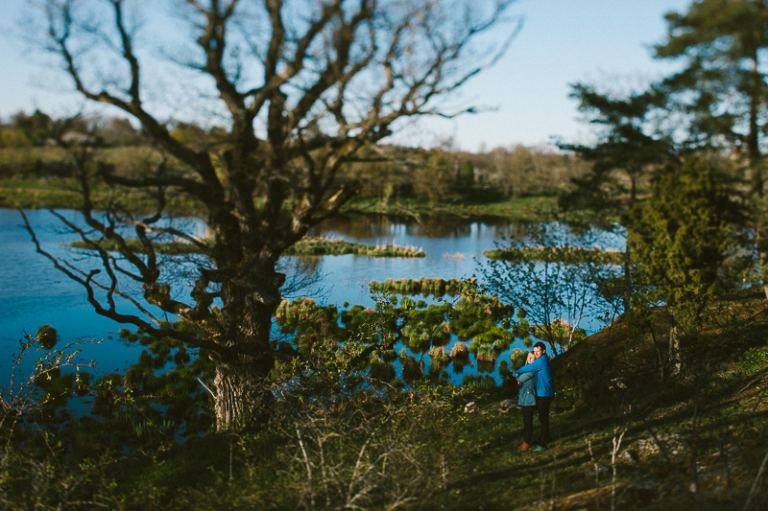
x,y
527,393
542,366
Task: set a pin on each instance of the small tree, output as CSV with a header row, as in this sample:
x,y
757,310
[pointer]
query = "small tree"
x,y
557,289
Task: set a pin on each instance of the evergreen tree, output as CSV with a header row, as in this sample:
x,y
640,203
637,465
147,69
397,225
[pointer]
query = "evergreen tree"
x,y
680,238
625,152
722,87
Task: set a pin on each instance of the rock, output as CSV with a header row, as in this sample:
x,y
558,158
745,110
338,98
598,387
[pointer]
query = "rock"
x,y
508,404
675,447
629,457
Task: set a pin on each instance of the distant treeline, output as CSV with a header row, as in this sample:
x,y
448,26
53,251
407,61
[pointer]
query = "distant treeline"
x,y
37,145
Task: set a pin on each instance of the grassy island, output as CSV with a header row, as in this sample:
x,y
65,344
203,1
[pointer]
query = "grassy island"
x,y
424,286
336,246
307,247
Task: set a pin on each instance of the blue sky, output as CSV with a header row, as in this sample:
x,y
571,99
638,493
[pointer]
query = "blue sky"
x,y
604,42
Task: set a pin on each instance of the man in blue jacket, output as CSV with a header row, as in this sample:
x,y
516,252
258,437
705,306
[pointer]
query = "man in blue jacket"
x,y
545,390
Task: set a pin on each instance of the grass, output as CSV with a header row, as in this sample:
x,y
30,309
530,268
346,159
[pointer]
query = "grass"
x,y
38,193
470,461
713,406
428,287
62,192
522,208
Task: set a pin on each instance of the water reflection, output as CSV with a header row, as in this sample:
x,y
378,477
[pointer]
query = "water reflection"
x,y
432,227
35,293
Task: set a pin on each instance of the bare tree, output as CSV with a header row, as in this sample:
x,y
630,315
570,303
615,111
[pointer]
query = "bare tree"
x,y
303,85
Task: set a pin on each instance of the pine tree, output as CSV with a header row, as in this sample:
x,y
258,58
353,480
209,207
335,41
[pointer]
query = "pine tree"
x,y
722,87
680,238
626,151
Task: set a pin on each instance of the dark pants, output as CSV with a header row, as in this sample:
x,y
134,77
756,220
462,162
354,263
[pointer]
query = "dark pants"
x,y
542,405
528,412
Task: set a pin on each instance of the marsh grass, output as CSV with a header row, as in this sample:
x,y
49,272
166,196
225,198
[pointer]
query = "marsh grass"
x,y
425,286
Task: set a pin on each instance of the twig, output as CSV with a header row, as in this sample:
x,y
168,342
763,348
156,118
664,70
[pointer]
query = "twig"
x,y
597,474
616,447
760,376
307,464
206,387
656,439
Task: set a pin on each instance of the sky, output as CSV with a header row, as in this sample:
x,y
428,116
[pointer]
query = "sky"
x,y
601,42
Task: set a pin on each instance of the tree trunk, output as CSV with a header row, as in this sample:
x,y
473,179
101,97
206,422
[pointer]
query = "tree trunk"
x,y
756,171
675,355
761,240
243,397
626,298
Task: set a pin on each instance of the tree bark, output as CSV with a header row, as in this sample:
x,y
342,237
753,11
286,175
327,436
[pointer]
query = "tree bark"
x,y
675,355
243,397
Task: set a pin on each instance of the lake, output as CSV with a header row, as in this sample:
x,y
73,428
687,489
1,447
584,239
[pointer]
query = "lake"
x,y
35,293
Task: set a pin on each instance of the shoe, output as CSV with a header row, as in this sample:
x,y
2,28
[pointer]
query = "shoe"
x,y
524,447
539,448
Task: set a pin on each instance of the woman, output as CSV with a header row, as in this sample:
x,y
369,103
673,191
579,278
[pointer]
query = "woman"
x,y
545,389
526,399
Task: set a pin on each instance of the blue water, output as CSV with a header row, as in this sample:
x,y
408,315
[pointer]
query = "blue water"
x,y
35,293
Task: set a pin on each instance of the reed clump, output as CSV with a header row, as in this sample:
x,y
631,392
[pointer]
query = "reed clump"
x,y
517,358
425,287
460,351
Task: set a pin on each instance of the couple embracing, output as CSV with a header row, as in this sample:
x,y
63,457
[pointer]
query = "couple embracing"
x,y
535,395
